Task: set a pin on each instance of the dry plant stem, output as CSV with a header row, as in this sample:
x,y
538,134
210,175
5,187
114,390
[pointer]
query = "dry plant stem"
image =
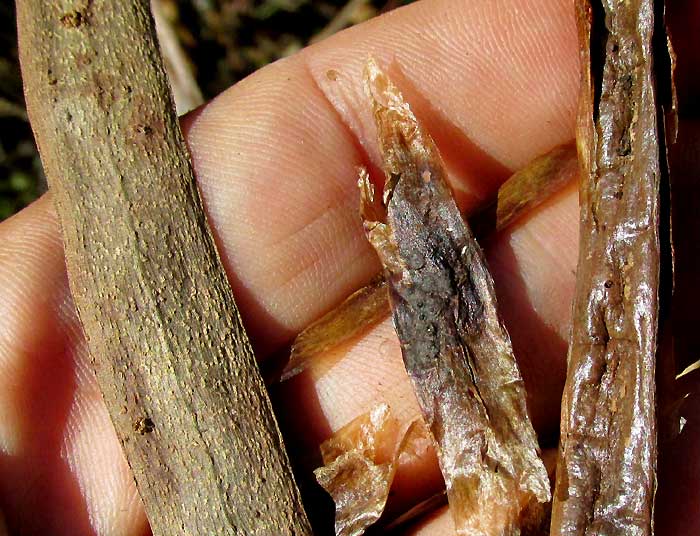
x,y
342,19
606,472
454,345
172,359
186,92
357,313
522,192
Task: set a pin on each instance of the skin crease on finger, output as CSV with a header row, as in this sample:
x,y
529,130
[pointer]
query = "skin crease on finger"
x,y
275,158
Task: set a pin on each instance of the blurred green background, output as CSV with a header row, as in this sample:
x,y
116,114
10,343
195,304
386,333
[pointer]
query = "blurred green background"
x,y
221,41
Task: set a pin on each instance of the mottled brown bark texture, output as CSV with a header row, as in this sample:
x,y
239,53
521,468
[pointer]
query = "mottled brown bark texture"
x,y
172,358
606,472
454,345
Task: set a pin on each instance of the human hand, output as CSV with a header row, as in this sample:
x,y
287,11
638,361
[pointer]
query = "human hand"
x,y
494,82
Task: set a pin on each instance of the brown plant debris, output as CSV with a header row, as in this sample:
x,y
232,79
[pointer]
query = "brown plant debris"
x,y
358,313
521,193
360,462
606,472
455,348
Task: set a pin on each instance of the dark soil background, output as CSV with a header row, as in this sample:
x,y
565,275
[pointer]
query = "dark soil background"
x,y
224,41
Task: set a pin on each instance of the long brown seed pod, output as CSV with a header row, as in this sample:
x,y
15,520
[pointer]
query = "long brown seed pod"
x,y
525,190
606,471
455,348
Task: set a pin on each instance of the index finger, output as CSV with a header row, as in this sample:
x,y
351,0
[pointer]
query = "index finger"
x,y
494,82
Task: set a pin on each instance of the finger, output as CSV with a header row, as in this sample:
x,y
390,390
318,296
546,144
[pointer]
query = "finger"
x,y
61,467
276,155
84,454
437,523
533,265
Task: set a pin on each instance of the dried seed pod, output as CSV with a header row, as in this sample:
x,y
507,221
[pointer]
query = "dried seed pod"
x,y
522,192
455,348
606,472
